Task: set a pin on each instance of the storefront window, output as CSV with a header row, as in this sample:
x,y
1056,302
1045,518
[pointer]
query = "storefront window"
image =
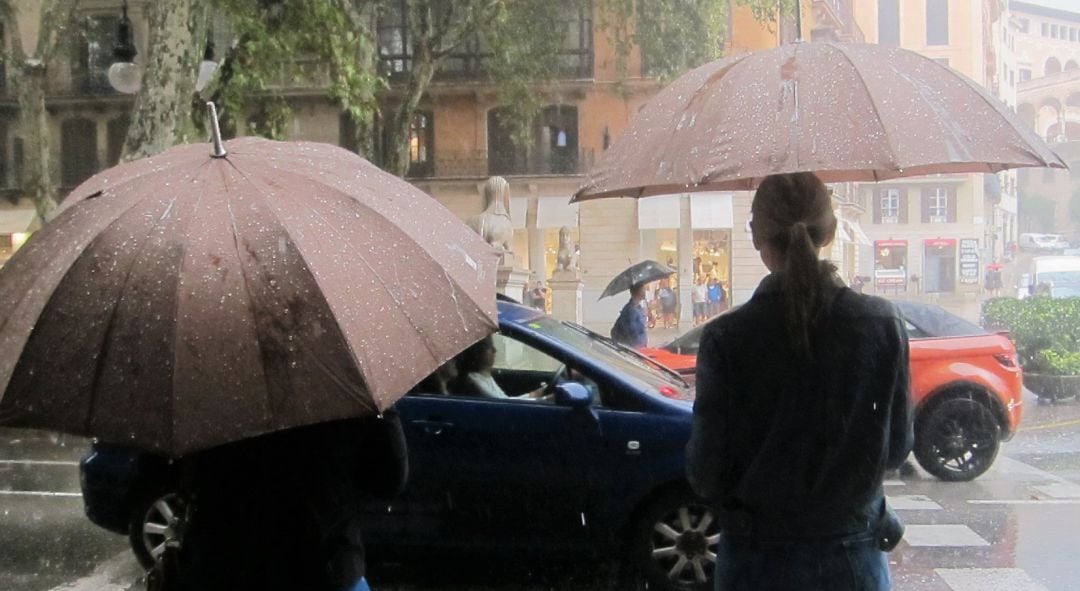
x,y
890,266
712,268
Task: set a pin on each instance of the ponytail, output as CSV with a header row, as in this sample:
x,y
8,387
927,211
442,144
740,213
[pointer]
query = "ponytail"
x,y
793,212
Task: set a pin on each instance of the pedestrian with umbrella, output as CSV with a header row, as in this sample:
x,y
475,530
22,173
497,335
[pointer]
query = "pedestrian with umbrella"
x,y
197,299
763,120
630,327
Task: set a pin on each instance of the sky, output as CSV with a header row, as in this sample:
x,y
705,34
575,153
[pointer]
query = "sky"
x,y
1070,5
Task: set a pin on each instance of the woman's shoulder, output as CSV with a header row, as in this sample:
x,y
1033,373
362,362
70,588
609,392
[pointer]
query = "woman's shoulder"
x,y
864,305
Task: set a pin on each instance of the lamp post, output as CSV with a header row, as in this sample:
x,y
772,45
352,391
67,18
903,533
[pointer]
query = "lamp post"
x,y
124,74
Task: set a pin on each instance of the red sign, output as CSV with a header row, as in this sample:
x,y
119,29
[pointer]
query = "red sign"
x,y
881,243
938,242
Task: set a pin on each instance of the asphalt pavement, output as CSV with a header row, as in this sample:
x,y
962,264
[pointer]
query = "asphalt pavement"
x,y
1014,528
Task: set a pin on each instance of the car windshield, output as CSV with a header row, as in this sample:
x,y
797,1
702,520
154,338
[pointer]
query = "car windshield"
x,y
602,350
934,322
687,343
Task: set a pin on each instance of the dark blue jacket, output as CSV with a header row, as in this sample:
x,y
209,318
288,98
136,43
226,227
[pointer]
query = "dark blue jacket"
x,y
800,447
629,328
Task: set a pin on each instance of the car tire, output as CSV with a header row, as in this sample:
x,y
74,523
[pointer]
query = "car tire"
x,y
674,547
957,439
156,518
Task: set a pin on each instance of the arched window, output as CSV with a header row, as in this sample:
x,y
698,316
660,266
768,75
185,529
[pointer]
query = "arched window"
x,y
1071,65
1053,66
78,151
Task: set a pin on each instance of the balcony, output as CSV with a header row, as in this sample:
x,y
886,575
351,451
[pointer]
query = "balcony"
x,y
834,20
481,163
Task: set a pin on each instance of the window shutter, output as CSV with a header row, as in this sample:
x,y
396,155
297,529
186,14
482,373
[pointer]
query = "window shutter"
x,y
925,205
952,205
903,206
879,202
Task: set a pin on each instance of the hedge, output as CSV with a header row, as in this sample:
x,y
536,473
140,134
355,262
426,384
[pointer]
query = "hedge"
x,y
1046,331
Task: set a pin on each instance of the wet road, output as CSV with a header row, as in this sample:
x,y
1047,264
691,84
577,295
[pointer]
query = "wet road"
x,y
1016,528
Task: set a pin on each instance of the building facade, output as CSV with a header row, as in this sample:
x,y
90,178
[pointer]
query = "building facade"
x,y
935,234
1048,99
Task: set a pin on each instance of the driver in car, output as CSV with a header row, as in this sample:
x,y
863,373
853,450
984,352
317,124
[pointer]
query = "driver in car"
x,y
474,370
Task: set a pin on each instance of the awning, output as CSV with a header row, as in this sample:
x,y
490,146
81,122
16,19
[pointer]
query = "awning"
x,y
855,231
13,221
711,210
659,213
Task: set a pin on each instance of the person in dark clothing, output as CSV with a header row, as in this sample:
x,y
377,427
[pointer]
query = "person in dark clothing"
x,y
282,511
629,328
802,405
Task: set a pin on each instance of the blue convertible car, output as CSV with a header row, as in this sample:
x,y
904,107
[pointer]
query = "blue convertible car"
x,y
594,471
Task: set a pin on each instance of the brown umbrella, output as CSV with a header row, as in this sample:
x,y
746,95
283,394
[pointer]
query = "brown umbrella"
x,y
848,112
183,301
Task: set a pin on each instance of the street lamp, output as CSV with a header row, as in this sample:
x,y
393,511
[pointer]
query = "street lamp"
x,y
124,75
206,68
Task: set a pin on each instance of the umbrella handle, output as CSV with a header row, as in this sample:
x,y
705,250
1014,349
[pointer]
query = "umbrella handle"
x,y
215,132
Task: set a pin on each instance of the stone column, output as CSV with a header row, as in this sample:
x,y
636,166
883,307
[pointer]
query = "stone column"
x,y
566,289
511,281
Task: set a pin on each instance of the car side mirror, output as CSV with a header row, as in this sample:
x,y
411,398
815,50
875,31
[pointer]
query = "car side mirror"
x,y
573,395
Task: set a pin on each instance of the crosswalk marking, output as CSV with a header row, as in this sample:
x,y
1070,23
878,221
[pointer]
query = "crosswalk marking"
x,y
913,503
988,579
1060,490
942,535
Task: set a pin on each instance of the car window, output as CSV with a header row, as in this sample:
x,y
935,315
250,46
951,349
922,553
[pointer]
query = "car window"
x,y
511,354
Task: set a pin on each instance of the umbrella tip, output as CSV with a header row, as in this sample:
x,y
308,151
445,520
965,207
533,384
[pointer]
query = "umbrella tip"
x,y
215,131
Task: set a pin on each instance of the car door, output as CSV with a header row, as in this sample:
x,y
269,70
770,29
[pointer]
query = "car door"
x,y
504,474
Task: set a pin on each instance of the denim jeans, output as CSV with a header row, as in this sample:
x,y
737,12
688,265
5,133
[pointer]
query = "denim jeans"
x,y
850,563
361,585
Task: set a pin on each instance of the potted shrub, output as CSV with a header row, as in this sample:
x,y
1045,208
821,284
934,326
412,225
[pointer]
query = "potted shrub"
x,y
1046,333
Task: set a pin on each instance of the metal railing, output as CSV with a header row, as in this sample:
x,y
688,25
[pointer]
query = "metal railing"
x,y
478,163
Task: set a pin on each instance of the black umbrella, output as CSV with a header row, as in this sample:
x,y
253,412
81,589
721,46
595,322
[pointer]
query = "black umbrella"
x,y
642,272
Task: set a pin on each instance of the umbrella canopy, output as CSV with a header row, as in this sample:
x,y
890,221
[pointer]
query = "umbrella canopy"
x,y
642,272
183,301
848,112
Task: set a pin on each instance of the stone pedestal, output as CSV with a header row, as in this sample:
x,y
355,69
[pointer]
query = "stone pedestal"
x,y
566,288
512,282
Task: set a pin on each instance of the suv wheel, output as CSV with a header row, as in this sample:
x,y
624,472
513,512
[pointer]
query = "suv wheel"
x,y
957,439
156,521
675,543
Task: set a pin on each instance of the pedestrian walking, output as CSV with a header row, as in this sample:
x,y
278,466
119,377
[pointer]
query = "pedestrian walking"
x,y
282,511
802,404
668,303
716,295
538,296
699,295
629,327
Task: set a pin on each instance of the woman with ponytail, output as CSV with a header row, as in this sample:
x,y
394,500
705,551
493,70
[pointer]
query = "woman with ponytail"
x,y
802,404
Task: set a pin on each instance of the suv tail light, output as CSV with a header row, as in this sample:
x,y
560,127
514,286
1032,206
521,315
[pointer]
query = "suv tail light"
x,y
1006,360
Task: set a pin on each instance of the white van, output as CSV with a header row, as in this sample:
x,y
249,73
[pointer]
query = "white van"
x,y
1058,275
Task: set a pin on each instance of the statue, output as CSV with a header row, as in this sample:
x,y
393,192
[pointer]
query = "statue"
x,y
567,257
494,224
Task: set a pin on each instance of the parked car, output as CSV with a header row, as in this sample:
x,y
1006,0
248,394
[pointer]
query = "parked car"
x,y
597,472
1053,276
1039,242
966,384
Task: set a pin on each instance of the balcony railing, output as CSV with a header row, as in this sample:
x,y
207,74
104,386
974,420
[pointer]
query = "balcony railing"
x,y
476,163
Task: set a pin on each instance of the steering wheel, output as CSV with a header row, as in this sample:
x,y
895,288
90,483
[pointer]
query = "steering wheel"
x,y
556,377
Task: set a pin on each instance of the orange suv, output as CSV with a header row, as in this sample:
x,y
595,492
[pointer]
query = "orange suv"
x,y
965,381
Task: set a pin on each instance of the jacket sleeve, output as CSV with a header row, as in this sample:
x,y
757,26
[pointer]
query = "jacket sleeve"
x,y
384,456
901,430
705,453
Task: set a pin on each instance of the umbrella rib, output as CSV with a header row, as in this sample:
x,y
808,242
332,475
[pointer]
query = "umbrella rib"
x,y
873,104
99,366
382,283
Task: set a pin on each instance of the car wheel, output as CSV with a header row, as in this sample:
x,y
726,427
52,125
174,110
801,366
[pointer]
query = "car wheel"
x,y
157,520
675,543
957,440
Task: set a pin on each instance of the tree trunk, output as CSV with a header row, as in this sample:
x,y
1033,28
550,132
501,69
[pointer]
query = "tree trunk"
x,y
397,140
36,179
162,111
28,77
